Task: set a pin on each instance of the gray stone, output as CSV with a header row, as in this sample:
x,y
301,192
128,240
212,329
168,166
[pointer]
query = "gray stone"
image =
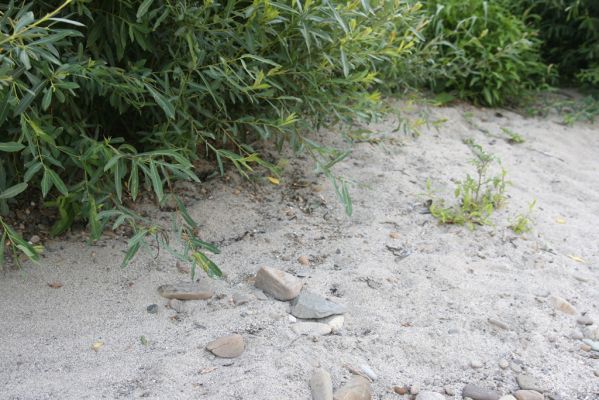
x,y
503,364
476,364
498,323
478,393
428,395
321,385
311,328
577,335
507,397
241,298
591,332
368,371
310,305
563,305
227,346
357,388
177,305
152,308
528,395
596,372
335,322
527,382
186,291
260,295
279,284
584,320
449,390
593,343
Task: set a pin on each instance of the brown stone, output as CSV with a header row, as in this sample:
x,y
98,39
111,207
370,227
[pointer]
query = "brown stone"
x,y
528,395
357,388
186,291
227,346
279,284
563,305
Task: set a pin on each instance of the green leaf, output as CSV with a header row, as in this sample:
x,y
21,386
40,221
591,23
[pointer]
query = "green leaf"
x,y
57,181
143,8
46,183
162,101
184,213
156,181
200,243
2,247
11,147
94,222
130,254
207,265
13,191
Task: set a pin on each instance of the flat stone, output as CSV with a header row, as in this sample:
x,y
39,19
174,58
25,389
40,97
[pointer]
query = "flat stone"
x,y
528,395
310,305
335,322
596,372
241,298
592,343
427,395
187,291
311,328
357,388
527,382
584,320
478,393
577,335
279,284
177,305
591,332
498,323
368,371
563,305
507,397
321,385
227,346
260,295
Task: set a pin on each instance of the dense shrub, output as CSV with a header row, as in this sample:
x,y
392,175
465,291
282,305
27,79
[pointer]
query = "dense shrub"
x,y
569,30
103,99
485,53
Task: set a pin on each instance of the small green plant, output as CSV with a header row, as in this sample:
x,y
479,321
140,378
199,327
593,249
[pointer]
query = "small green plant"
x,y
513,137
477,196
522,223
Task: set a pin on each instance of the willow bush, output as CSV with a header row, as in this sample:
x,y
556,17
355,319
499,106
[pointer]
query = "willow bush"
x,y
102,100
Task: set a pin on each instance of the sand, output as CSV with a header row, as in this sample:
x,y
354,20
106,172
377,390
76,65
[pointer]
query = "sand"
x,y
421,319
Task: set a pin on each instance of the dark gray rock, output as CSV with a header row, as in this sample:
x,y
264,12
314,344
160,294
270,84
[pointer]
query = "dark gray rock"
x,y
309,305
152,308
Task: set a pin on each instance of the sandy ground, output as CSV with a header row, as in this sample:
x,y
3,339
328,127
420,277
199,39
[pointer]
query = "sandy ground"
x,y
421,319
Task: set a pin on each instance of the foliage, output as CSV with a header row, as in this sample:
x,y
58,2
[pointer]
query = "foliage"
x,y
512,137
522,222
103,101
485,53
478,196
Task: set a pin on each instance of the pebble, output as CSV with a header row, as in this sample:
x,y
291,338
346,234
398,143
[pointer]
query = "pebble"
x,y
415,389
177,305
503,364
35,239
478,393
260,295
584,320
449,390
311,328
303,260
310,305
515,367
498,323
357,388
527,382
585,347
395,235
400,390
592,343
596,372
279,284
563,305
152,308
427,395
241,298
476,364
336,322
591,332
292,319
321,385
577,335
507,397
186,291
227,346
368,371
528,395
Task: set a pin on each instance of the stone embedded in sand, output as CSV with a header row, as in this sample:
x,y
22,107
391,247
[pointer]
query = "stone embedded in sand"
x,y
311,328
400,390
593,344
335,322
310,305
279,284
507,397
303,260
152,308
528,395
427,395
321,385
563,305
186,291
527,382
584,320
476,364
478,393
241,298
503,364
357,388
227,346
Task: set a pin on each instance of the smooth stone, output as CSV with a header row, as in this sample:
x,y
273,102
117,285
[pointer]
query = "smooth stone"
x,y
241,298
357,388
563,305
507,397
400,390
476,364
478,393
427,395
585,347
596,372
594,344
186,291
310,305
449,390
498,323
277,283
321,385
503,364
368,371
577,335
303,260
591,332
515,367
152,308
335,322
311,328
528,395
527,382
227,346
260,295
415,389
584,320
177,305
